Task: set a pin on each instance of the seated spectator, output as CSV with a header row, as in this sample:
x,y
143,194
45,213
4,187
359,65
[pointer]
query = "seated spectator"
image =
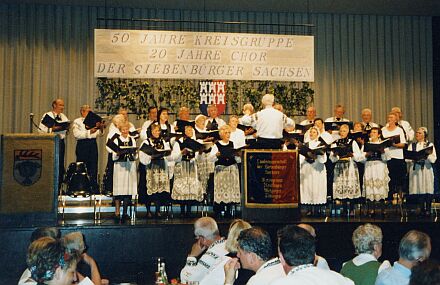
x,y
36,234
319,260
49,264
425,273
414,247
207,239
363,269
254,253
75,245
296,249
236,227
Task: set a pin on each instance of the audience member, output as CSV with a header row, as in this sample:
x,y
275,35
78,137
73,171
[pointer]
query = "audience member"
x,y
296,249
425,273
75,245
49,264
414,247
319,260
363,269
254,253
210,247
217,275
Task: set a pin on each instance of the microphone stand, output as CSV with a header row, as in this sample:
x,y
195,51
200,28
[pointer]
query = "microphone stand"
x,y
31,122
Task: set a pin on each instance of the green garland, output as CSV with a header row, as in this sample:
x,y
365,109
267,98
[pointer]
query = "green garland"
x,y
137,95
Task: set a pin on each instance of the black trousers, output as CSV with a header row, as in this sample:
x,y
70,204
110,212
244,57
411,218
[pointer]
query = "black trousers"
x,y
87,152
263,143
61,169
398,176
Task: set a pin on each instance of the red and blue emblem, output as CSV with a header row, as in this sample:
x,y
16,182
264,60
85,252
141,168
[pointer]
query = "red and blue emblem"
x,y
212,92
27,166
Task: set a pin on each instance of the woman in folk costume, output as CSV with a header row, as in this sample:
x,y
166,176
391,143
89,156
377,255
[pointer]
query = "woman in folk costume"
x,y
396,163
124,172
226,176
376,176
156,159
346,184
421,173
186,187
204,167
313,188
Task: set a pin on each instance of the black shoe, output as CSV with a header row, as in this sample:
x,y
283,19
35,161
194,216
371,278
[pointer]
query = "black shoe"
x,y
149,215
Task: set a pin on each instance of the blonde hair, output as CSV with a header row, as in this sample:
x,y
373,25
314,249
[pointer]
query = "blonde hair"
x,y
234,231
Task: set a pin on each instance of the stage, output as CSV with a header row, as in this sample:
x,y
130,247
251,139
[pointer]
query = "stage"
x,y
126,252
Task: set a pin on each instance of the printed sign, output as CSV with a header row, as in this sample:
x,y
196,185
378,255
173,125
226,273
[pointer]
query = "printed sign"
x,y
198,55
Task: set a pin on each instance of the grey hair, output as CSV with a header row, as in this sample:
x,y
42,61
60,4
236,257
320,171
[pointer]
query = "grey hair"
x,y
365,237
268,100
415,246
206,227
84,107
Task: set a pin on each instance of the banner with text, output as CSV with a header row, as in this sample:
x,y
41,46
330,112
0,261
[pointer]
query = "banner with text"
x,y
271,179
197,55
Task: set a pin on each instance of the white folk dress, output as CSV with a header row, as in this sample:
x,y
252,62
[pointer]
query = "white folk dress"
x,y
187,185
313,178
226,176
421,174
124,172
376,176
346,175
157,172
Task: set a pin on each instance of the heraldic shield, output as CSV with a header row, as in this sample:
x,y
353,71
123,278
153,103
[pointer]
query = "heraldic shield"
x,y
27,166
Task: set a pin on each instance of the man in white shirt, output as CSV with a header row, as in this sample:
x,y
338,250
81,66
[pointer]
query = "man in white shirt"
x,y
58,116
296,249
367,115
86,147
269,124
152,116
319,261
254,253
209,267
310,116
405,125
213,122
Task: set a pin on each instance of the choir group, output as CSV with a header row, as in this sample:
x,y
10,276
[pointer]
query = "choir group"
x,y
195,161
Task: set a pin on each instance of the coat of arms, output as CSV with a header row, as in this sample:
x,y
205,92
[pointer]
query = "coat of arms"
x,y
212,92
27,166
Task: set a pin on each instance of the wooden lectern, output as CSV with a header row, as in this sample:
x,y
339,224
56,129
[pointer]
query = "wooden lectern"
x,y
29,179
270,186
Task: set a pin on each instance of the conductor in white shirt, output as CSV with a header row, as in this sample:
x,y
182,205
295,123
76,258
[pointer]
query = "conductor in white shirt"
x,y
269,124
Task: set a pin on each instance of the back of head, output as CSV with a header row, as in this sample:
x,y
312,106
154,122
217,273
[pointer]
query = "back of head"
x,y
308,227
415,246
425,273
207,228
44,256
267,100
74,243
365,237
256,240
296,245
45,232
234,230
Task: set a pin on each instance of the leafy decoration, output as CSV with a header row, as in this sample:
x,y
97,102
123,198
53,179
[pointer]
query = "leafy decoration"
x,y
137,95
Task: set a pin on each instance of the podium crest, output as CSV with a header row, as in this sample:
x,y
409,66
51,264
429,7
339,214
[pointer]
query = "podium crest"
x,y
212,92
27,166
